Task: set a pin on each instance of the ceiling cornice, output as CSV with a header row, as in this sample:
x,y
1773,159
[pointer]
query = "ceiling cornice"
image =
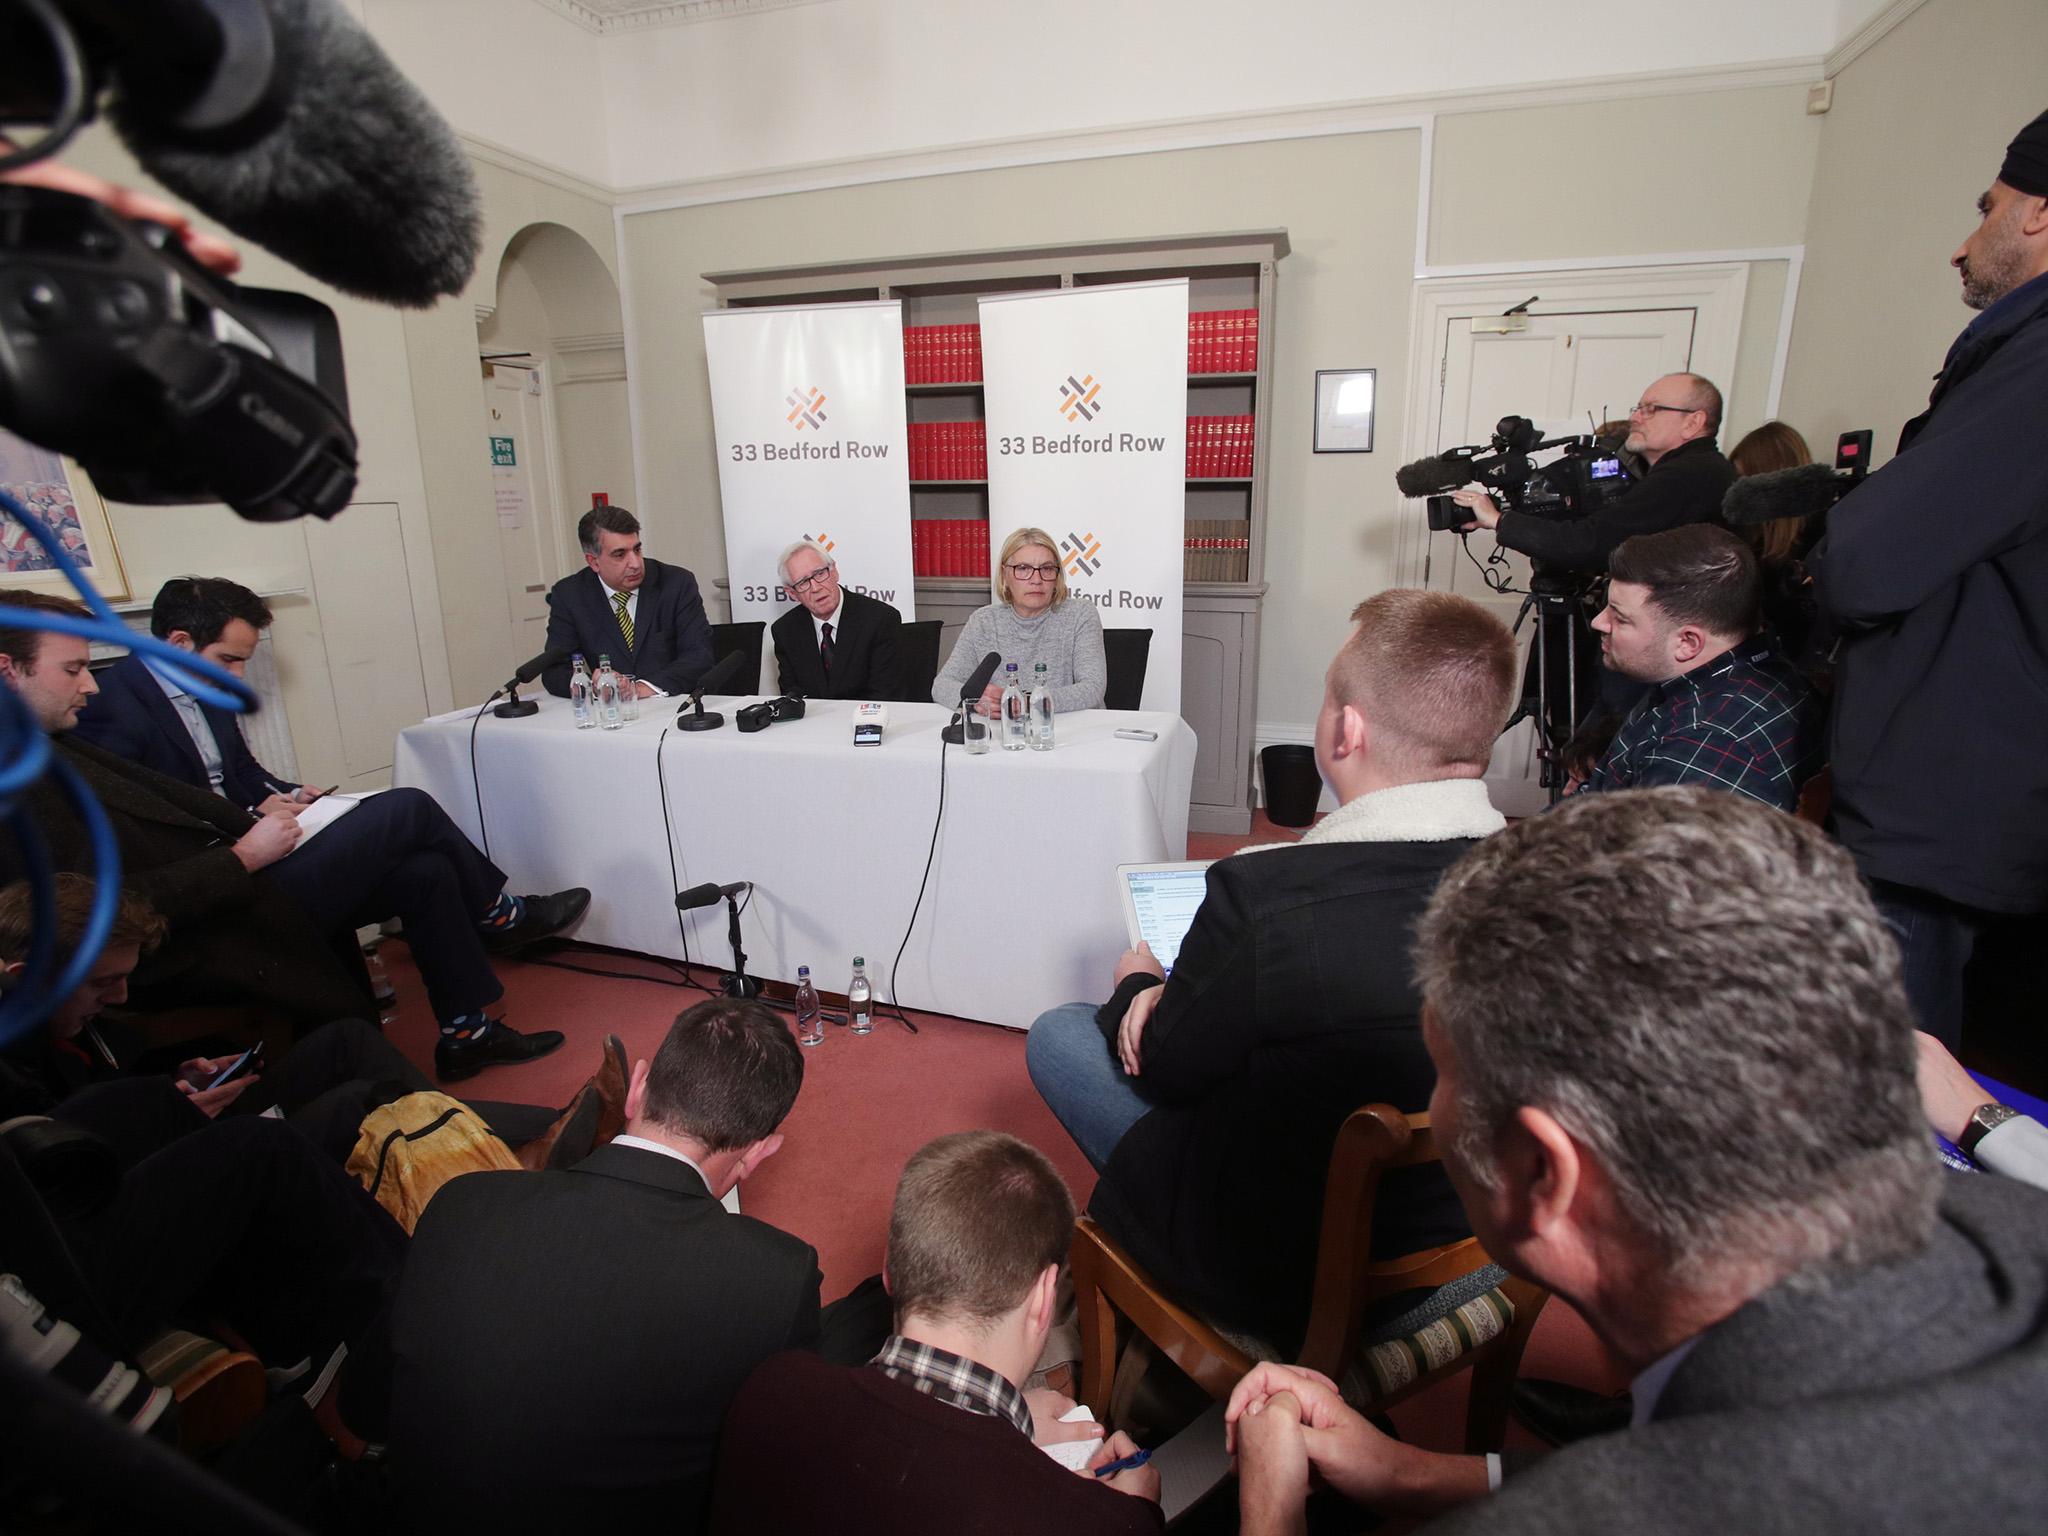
x,y
608,19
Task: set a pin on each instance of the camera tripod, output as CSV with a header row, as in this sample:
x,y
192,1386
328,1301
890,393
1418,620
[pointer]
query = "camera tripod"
x,y
1558,601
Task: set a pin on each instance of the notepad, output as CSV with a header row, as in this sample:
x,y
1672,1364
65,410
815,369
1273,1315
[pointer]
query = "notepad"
x,y
322,814
1074,1455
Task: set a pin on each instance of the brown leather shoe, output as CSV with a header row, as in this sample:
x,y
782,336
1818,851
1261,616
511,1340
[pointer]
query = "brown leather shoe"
x,y
594,1116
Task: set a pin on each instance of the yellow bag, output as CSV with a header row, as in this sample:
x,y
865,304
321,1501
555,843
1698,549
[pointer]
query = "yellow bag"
x,y
409,1148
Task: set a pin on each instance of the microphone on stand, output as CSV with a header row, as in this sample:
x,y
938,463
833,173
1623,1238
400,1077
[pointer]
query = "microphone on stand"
x,y
972,689
735,982
516,708
690,714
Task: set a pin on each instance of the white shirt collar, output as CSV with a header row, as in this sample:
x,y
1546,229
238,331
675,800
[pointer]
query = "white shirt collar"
x,y
832,618
1648,1387
623,1140
612,596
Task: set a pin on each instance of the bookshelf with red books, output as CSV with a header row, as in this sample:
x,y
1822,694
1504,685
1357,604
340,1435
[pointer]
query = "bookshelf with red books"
x,y
1231,284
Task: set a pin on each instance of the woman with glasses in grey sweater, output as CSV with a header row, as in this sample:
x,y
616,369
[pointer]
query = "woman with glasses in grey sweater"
x,y
1034,621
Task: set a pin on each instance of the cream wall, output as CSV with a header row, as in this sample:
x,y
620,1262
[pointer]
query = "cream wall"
x,y
1507,186
1919,126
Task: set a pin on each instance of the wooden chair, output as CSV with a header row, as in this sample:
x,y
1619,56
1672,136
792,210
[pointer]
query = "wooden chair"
x,y
1477,1316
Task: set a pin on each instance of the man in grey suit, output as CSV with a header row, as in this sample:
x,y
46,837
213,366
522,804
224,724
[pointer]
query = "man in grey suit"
x,y
1675,1084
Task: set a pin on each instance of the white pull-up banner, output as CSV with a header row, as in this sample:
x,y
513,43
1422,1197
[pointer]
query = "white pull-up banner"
x,y
807,406
1086,394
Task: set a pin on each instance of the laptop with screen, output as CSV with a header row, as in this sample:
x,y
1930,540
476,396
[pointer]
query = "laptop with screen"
x,y
1159,903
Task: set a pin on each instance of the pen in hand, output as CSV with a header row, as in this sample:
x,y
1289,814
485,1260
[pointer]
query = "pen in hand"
x,y
1123,1464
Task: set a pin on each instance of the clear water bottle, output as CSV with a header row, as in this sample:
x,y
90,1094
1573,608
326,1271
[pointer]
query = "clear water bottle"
x,y
606,688
1016,721
974,729
579,695
860,1000
1041,710
381,988
810,1016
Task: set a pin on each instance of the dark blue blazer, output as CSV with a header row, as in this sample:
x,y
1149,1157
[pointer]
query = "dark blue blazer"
x,y
671,637
132,718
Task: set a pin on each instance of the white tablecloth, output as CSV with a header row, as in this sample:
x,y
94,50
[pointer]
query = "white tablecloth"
x,y
1021,911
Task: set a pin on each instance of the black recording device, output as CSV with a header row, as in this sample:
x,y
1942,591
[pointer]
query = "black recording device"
x,y
758,717
167,383
1585,477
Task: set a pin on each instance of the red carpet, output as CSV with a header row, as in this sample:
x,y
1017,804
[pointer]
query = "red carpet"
x,y
866,1105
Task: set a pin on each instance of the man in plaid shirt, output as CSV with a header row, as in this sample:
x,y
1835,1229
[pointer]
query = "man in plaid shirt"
x,y
1725,708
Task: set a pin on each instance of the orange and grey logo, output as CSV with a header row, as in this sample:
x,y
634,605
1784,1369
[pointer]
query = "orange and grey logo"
x,y
822,540
1078,398
806,408
1082,553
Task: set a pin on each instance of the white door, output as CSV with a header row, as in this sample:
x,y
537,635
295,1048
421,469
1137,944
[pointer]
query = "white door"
x,y
523,483
1567,372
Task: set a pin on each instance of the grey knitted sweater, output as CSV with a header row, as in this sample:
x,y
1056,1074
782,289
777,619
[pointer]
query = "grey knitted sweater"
x,y
1066,637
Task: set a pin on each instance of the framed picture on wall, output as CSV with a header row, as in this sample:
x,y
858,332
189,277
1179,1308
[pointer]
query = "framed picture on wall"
x,y
58,492
1344,409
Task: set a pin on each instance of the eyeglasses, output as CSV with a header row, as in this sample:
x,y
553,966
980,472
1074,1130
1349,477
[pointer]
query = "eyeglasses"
x,y
1033,572
1650,408
804,583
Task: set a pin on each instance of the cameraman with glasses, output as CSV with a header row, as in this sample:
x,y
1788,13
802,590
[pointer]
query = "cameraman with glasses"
x,y
1033,622
1671,429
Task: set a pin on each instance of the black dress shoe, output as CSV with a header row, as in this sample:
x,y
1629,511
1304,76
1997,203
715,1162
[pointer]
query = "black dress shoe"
x,y
1563,1414
546,916
498,1045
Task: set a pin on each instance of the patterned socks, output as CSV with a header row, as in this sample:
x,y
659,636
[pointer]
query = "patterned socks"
x,y
466,1027
508,911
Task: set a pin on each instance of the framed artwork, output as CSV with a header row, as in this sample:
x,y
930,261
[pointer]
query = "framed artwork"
x,y
1344,409
58,492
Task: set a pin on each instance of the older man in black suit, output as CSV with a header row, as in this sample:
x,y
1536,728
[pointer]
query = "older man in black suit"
x,y
646,616
565,1343
838,644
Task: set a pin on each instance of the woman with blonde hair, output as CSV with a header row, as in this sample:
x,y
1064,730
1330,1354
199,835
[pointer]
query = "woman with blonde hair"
x,y
1035,620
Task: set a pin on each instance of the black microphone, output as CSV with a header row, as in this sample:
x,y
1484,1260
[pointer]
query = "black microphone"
x,y
690,715
528,671
307,141
977,680
1431,477
1800,491
709,894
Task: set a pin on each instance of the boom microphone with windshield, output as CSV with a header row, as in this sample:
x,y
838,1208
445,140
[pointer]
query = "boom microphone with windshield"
x,y
284,120
1800,491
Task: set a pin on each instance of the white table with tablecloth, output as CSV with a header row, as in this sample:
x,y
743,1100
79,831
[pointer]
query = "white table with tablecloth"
x,y
1020,911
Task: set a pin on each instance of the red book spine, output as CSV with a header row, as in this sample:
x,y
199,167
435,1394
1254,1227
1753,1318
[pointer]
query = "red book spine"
x,y
961,554
952,450
957,360
1251,340
910,354
980,549
1191,342
1212,447
978,466
974,363
1205,342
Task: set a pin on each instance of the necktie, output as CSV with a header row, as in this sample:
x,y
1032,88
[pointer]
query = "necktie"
x,y
625,618
825,650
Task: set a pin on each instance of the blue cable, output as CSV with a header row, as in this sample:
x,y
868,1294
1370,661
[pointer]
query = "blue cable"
x,y
26,757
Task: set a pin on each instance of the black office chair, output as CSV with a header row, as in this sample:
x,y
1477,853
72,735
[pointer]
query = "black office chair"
x,y
1126,652
917,660
745,640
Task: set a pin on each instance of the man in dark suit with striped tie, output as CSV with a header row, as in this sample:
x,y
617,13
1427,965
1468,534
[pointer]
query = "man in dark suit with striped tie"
x,y
837,643
646,616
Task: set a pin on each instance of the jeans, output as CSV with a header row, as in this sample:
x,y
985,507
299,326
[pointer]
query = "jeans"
x,y
1936,938
1081,1080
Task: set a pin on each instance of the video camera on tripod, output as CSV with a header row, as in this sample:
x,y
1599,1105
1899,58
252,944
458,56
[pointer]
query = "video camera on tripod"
x,y
1588,474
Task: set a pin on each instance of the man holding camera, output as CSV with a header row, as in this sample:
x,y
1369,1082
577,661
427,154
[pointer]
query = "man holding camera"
x,y
1672,430
1936,571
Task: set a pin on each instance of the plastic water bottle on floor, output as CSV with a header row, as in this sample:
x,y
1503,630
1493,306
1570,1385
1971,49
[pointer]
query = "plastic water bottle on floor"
x,y
1041,710
860,1000
810,1016
579,695
1016,722
606,687
381,988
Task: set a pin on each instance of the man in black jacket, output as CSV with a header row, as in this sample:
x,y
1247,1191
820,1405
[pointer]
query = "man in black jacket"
x,y
1936,569
1672,429
566,1343
646,616
836,644
1210,1103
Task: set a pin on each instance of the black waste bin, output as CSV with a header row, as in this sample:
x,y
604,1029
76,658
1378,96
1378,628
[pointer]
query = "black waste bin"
x,y
1292,785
